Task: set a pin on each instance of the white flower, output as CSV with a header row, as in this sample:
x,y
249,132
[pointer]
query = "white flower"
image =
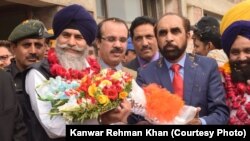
x,y
71,105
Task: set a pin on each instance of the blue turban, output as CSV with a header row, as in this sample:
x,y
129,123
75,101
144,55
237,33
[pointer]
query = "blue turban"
x,y
76,17
229,35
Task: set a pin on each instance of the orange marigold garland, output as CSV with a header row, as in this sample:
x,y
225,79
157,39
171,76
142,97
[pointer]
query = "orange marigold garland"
x,y
161,103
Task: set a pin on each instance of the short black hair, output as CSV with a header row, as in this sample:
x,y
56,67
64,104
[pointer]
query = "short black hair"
x,y
140,21
207,30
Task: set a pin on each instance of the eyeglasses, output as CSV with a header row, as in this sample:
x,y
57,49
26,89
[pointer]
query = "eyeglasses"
x,y
4,57
112,39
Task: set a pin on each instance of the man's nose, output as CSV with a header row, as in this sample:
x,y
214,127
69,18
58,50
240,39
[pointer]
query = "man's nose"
x,y
169,37
144,41
72,41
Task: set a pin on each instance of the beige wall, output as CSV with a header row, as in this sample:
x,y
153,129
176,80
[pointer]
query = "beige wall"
x,y
194,9
88,4
45,9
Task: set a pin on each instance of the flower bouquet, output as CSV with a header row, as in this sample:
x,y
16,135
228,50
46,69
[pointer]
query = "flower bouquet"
x,y
159,106
80,100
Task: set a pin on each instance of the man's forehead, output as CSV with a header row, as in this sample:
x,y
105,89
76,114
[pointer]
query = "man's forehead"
x,y
72,31
170,22
241,42
31,40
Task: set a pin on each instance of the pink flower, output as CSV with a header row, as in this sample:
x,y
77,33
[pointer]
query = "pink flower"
x,y
248,90
241,115
241,87
247,122
235,105
247,107
233,120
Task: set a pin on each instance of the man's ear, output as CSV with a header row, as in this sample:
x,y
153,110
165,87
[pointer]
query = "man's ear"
x,y
210,46
12,47
98,42
188,35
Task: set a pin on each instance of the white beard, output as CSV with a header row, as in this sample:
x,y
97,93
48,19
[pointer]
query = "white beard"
x,y
71,60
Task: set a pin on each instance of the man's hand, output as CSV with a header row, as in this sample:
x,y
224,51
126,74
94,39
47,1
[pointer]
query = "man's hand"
x,y
143,122
248,82
195,120
120,114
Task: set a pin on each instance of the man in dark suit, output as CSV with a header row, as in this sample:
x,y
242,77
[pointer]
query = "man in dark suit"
x,y
12,127
199,82
144,41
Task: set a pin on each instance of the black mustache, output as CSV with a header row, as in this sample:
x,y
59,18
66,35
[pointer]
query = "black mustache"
x,y
145,47
170,45
117,50
33,56
236,64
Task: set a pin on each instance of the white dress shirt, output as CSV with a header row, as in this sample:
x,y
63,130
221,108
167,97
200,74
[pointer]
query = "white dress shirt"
x,y
55,127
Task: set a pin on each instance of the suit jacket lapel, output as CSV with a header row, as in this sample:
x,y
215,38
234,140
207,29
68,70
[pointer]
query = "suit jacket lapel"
x,y
190,69
136,63
163,74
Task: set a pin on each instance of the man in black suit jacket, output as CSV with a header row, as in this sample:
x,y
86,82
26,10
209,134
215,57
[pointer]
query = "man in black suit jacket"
x,y
12,127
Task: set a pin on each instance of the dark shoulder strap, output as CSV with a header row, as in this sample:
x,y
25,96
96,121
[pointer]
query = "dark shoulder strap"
x,y
42,67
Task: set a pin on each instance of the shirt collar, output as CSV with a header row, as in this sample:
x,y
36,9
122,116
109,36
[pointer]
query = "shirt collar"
x,y
143,62
12,68
181,62
105,66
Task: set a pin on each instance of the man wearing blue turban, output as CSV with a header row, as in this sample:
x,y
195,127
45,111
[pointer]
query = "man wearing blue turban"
x,y
235,31
74,30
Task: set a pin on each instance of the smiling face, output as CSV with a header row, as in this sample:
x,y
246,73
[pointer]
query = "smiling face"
x,y
71,49
240,51
113,43
28,51
172,37
239,57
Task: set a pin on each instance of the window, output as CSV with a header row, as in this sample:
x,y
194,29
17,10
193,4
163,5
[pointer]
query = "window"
x,y
127,10
101,8
152,8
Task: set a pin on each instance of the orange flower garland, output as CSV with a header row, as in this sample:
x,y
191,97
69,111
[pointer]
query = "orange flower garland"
x,y
161,103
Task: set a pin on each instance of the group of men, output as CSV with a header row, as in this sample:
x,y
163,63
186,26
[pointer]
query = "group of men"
x,y
161,59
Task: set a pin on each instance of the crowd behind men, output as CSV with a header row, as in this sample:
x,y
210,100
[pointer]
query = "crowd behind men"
x,y
160,47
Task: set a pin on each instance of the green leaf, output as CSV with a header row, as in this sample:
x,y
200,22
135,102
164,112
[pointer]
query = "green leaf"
x,y
58,102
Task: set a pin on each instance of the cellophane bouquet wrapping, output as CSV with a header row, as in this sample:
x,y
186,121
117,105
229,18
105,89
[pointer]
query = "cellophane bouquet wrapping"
x,y
80,100
159,106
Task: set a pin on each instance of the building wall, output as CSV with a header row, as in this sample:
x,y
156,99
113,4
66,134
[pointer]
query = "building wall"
x,y
45,9
13,12
195,9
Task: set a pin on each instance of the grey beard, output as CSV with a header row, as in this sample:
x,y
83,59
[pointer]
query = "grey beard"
x,y
68,60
